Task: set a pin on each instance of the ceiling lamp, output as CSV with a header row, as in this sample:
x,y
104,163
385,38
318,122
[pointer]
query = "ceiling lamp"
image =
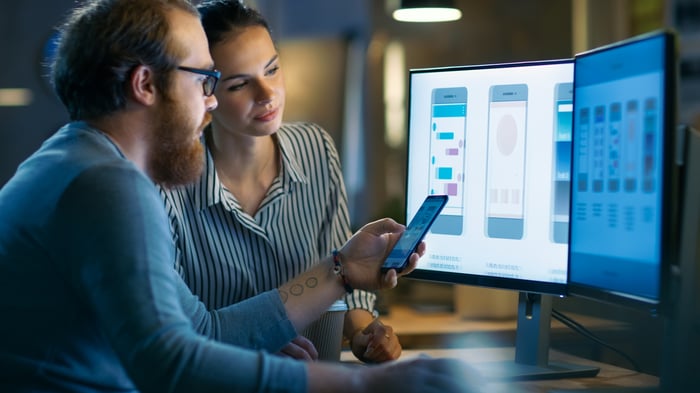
x,y
427,11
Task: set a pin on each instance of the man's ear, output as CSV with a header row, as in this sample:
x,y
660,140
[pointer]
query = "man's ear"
x,y
142,83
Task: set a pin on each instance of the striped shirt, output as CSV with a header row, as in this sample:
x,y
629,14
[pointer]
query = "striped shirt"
x,y
226,256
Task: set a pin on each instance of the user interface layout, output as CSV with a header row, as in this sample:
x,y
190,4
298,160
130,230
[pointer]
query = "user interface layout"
x,y
617,168
497,140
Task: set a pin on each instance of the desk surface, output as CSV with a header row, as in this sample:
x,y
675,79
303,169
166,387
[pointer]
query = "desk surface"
x,y
406,320
443,329
608,377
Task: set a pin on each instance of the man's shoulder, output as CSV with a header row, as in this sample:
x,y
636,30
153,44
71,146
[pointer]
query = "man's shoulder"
x,y
66,156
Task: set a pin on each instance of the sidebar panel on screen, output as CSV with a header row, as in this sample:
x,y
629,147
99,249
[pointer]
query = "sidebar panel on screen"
x,y
561,178
447,155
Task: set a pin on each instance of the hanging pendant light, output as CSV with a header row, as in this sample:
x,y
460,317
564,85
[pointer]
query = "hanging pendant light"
x,y
427,11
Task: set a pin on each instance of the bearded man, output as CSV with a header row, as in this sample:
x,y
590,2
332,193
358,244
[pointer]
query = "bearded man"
x,y
89,298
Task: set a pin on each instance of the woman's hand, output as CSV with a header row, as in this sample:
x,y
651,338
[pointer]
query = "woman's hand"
x,y
376,343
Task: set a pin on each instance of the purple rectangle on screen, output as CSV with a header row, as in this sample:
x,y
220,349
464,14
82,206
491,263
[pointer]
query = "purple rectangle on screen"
x,y
451,189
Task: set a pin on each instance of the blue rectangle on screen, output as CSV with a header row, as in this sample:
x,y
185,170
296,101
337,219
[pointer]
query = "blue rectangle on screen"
x,y
455,110
445,135
444,173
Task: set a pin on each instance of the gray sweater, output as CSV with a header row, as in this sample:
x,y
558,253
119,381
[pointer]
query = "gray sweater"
x,y
89,298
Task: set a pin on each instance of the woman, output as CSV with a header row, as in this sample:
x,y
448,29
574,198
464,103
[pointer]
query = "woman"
x,y
271,199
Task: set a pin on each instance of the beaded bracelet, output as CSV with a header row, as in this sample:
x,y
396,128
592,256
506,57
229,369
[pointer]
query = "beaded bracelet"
x,y
338,270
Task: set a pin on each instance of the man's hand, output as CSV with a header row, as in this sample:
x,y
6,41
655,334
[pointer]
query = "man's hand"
x,y
363,254
301,349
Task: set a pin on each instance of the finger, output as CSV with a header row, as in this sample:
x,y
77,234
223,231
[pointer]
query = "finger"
x,y
420,248
373,326
294,351
390,279
379,334
411,265
306,345
383,226
385,347
361,338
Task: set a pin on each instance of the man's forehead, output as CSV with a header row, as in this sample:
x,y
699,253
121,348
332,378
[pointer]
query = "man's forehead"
x,y
188,34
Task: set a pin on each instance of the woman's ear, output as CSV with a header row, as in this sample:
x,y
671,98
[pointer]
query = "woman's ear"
x,y
142,83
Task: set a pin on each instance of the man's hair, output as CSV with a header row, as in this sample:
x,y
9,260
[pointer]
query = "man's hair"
x,y
100,45
222,17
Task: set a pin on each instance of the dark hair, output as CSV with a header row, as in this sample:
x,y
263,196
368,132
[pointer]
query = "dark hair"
x,y
102,42
222,17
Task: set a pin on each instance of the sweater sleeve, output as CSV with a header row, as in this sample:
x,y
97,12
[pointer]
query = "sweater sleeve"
x,y
123,272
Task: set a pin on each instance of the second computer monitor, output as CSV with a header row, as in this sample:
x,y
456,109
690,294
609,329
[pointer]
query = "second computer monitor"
x,y
623,227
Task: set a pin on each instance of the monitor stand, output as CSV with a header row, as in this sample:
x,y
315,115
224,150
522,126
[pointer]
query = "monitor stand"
x,y
532,347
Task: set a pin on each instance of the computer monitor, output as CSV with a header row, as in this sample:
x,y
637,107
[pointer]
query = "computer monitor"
x,y
634,194
497,140
624,188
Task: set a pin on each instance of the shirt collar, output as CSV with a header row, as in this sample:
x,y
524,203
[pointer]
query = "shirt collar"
x,y
290,165
212,192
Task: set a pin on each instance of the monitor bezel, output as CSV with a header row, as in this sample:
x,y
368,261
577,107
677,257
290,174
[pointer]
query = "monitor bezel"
x,y
670,198
521,285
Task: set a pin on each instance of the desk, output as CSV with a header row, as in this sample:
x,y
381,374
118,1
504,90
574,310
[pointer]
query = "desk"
x,y
608,377
443,329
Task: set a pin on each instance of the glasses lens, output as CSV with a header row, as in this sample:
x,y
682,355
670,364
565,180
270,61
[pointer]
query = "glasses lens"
x,y
209,85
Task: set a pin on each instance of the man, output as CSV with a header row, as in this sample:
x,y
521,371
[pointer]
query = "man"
x,y
89,298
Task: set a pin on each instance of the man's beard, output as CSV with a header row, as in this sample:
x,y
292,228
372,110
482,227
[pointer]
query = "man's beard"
x,y
176,157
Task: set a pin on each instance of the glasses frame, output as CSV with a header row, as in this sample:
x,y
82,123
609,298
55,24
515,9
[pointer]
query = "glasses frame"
x,y
209,83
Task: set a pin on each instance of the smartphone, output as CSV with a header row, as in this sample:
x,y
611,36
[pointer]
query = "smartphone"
x,y
561,177
505,161
415,232
448,134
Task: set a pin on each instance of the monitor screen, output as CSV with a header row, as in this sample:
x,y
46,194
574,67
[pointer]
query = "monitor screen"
x,y
497,140
622,188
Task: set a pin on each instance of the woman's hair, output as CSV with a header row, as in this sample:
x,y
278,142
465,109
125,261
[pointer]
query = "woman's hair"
x,y
100,45
223,17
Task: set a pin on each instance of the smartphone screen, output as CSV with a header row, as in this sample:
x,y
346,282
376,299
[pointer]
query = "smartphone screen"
x,y
561,177
505,162
415,232
448,133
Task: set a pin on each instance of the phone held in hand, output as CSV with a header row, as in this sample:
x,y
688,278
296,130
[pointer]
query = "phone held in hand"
x,y
414,233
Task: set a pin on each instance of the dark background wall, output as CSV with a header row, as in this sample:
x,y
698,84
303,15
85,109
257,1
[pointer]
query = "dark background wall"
x,y
25,28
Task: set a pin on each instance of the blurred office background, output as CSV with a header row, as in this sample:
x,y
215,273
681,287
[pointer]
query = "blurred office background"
x,y
346,68
346,65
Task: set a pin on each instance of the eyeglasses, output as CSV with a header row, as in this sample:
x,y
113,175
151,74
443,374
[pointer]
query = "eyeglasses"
x,y
209,83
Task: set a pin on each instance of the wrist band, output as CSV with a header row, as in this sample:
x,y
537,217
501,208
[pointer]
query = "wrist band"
x,y
338,270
